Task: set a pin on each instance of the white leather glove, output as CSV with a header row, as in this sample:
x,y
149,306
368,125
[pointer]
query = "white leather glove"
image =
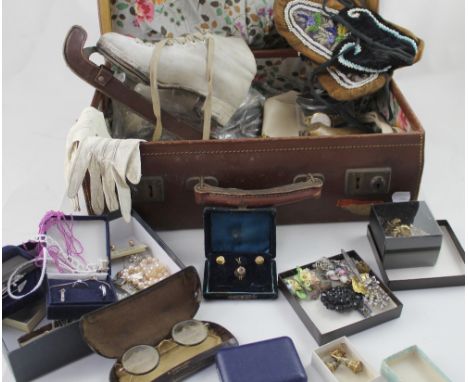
x,y
85,159
126,166
110,163
90,123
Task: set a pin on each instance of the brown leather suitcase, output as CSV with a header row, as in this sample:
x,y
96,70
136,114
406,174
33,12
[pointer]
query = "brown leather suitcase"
x,y
351,172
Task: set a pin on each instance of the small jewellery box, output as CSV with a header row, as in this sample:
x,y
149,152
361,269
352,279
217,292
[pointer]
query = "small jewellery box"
x,y
240,250
274,360
152,335
448,271
405,234
411,364
70,295
339,361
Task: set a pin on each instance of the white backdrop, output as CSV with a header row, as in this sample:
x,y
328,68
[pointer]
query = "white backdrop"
x,y
42,99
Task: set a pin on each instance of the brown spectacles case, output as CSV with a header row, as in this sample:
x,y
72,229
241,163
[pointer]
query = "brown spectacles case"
x,y
147,318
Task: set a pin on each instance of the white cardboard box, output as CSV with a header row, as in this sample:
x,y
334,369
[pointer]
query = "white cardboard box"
x,y
342,374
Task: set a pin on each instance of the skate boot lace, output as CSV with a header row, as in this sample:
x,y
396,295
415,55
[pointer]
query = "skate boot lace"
x,y
157,50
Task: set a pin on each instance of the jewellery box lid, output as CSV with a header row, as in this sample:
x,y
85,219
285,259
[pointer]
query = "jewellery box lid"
x,y
144,318
230,231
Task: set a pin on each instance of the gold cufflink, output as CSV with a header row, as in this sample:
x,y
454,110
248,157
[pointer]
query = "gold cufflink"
x,y
338,353
259,260
240,272
354,365
220,260
332,365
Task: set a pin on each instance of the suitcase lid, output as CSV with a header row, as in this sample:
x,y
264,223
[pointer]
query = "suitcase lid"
x,y
145,318
232,231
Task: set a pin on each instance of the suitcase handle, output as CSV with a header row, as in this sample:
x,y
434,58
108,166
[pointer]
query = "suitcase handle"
x,y
102,78
304,187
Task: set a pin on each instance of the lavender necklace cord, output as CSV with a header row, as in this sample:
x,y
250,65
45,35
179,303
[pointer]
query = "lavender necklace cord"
x,y
50,248
73,247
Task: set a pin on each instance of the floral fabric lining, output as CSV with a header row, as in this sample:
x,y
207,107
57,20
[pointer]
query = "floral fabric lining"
x,y
152,20
279,75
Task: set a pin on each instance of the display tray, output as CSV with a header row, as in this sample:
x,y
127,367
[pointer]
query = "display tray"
x,y
63,345
411,364
327,325
448,271
321,355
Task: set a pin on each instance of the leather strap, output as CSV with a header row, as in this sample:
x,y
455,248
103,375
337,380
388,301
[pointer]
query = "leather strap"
x,y
154,62
102,78
207,107
308,188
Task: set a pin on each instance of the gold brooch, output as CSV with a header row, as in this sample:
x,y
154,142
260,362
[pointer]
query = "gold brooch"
x,y
240,272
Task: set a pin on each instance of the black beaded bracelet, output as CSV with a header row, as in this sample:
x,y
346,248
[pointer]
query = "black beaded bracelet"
x,y
341,299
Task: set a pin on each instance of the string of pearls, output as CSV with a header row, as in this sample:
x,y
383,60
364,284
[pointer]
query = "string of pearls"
x,y
143,271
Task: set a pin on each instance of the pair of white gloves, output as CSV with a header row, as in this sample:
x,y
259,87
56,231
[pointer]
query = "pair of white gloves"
x,y
110,163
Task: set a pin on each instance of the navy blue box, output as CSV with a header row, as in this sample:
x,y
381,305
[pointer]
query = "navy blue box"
x,y
80,298
12,257
274,360
239,236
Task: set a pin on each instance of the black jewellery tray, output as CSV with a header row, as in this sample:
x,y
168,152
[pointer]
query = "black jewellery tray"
x,y
326,325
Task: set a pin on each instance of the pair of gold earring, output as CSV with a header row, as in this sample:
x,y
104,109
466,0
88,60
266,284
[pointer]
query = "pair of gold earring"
x,y
259,260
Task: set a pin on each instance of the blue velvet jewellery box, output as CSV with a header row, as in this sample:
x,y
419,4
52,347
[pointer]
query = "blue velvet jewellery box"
x,y
274,360
240,250
70,295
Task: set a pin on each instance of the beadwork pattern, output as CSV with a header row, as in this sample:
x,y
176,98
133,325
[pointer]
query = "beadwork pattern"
x,y
295,27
